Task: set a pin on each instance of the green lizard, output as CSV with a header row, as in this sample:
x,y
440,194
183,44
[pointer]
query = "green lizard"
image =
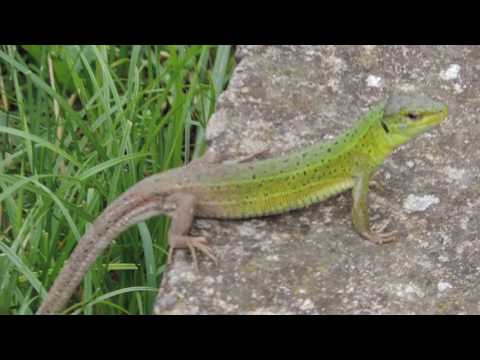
x,y
207,188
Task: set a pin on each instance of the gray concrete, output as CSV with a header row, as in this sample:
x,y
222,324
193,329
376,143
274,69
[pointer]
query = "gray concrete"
x,y
311,261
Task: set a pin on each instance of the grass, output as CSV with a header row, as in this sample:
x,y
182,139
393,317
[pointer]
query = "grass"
x,y
78,126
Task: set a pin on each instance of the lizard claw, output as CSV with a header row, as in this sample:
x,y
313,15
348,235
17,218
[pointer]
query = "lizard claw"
x,y
200,244
374,185
377,236
378,228
193,244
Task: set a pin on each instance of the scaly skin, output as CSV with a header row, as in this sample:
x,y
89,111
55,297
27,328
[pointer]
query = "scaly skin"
x,y
259,188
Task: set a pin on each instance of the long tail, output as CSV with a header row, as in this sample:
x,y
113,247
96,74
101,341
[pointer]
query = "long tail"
x,y
130,208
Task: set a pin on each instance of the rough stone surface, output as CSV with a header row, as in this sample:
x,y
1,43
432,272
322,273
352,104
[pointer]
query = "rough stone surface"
x,y
311,261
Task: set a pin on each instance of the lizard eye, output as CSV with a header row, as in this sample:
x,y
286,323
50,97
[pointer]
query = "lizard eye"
x,y
413,116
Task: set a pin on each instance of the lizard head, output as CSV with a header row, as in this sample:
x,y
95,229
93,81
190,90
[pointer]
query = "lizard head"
x,y
406,116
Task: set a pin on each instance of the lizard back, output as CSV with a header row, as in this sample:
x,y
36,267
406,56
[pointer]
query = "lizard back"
x,y
292,181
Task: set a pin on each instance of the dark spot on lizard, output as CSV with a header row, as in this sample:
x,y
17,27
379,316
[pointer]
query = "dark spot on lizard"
x,y
385,127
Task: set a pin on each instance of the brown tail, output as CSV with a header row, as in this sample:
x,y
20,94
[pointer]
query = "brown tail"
x,y
129,209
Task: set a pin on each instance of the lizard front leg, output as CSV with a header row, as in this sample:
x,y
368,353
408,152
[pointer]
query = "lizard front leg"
x,y
360,215
182,218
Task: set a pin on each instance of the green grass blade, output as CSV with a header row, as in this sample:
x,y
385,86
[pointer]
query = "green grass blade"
x,y
41,142
23,269
108,164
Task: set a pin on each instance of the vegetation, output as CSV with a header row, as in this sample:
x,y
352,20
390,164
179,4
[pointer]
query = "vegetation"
x,y
78,126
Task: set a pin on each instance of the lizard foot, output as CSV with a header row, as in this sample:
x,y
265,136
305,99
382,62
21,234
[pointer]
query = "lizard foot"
x,y
193,244
377,236
374,185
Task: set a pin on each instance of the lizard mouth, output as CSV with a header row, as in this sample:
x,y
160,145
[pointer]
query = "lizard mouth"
x,y
433,118
428,121
436,117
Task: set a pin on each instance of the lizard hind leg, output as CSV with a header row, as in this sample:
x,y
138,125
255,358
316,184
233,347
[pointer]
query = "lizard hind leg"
x,y
213,157
247,158
182,218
